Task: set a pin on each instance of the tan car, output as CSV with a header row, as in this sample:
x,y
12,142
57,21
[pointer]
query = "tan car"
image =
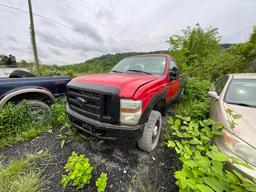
x,y
234,105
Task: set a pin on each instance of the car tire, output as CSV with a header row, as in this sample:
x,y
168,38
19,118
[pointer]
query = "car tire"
x,y
40,111
151,134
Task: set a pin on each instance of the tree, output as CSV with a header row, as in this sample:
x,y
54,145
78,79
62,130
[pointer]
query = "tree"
x,y
194,45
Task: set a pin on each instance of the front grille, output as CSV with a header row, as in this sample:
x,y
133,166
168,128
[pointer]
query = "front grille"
x,y
94,104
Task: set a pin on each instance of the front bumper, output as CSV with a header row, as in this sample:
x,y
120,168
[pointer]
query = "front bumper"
x,y
104,130
249,173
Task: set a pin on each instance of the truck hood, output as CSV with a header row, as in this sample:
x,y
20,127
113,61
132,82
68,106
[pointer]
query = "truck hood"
x,y
127,83
245,127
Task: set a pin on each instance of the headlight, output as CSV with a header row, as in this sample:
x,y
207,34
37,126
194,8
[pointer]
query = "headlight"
x,y
243,150
130,111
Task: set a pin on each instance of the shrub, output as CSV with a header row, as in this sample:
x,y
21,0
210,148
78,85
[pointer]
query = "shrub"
x,y
202,162
195,102
14,119
101,182
16,123
59,114
79,171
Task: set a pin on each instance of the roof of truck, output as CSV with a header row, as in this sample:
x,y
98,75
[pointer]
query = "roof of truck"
x,y
153,54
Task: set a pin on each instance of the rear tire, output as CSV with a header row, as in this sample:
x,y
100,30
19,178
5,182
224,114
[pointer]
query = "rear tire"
x,y
151,134
40,111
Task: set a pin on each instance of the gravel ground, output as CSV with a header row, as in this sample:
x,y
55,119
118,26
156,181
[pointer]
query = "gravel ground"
x,y
128,168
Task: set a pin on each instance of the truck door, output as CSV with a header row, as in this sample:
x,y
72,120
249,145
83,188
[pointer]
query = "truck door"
x,y
173,84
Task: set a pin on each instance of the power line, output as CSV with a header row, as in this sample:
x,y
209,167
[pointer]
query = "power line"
x,y
46,18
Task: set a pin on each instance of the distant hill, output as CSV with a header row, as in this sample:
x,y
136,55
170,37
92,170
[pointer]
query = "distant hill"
x,y
226,45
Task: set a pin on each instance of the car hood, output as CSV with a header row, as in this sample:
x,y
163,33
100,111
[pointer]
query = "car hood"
x,y
127,83
245,127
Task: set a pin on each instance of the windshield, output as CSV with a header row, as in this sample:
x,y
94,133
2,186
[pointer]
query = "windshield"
x,y
242,92
154,65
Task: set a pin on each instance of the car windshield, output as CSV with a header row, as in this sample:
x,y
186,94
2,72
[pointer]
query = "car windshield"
x,y
154,65
242,92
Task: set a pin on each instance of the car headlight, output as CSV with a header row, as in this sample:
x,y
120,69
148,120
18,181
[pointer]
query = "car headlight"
x,y
239,147
130,111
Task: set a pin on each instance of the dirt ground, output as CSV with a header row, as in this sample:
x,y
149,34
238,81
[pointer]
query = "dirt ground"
x,y
129,169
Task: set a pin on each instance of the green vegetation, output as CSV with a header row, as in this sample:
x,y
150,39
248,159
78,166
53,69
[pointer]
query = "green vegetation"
x,y
101,182
202,162
198,51
190,133
195,102
79,171
21,176
16,123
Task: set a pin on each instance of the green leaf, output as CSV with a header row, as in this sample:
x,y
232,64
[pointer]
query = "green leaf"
x,y
62,143
170,121
171,144
217,156
177,122
218,125
204,188
237,161
190,163
214,183
232,177
236,116
217,132
203,162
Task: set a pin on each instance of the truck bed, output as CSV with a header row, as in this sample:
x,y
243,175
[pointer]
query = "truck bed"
x,y
56,85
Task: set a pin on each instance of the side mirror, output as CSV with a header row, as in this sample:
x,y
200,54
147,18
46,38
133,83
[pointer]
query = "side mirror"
x,y
174,74
213,95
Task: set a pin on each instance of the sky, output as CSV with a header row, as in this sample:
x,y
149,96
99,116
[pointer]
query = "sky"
x,y
72,31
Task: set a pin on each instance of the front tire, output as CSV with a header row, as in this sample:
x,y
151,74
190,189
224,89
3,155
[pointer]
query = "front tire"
x,y
151,133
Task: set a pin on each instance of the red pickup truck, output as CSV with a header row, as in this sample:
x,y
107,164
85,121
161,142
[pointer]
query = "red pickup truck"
x,y
128,102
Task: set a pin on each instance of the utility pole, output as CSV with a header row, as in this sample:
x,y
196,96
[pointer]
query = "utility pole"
x,y
33,38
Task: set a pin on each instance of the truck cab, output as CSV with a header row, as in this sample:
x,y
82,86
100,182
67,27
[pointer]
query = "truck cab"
x,y
128,102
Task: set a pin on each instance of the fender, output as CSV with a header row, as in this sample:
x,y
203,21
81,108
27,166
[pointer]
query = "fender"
x,y
19,91
154,100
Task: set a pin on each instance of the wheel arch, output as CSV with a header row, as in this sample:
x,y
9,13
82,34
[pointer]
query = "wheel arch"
x,y
156,103
28,93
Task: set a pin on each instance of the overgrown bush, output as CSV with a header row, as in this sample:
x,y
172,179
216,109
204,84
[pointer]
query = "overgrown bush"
x,y
202,162
195,102
59,114
79,171
14,119
198,51
16,123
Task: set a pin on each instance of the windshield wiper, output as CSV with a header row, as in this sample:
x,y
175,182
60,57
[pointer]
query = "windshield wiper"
x,y
243,104
133,70
115,71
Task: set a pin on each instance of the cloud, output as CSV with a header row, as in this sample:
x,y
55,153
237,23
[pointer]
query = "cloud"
x,y
84,28
42,53
93,28
107,14
56,51
11,38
